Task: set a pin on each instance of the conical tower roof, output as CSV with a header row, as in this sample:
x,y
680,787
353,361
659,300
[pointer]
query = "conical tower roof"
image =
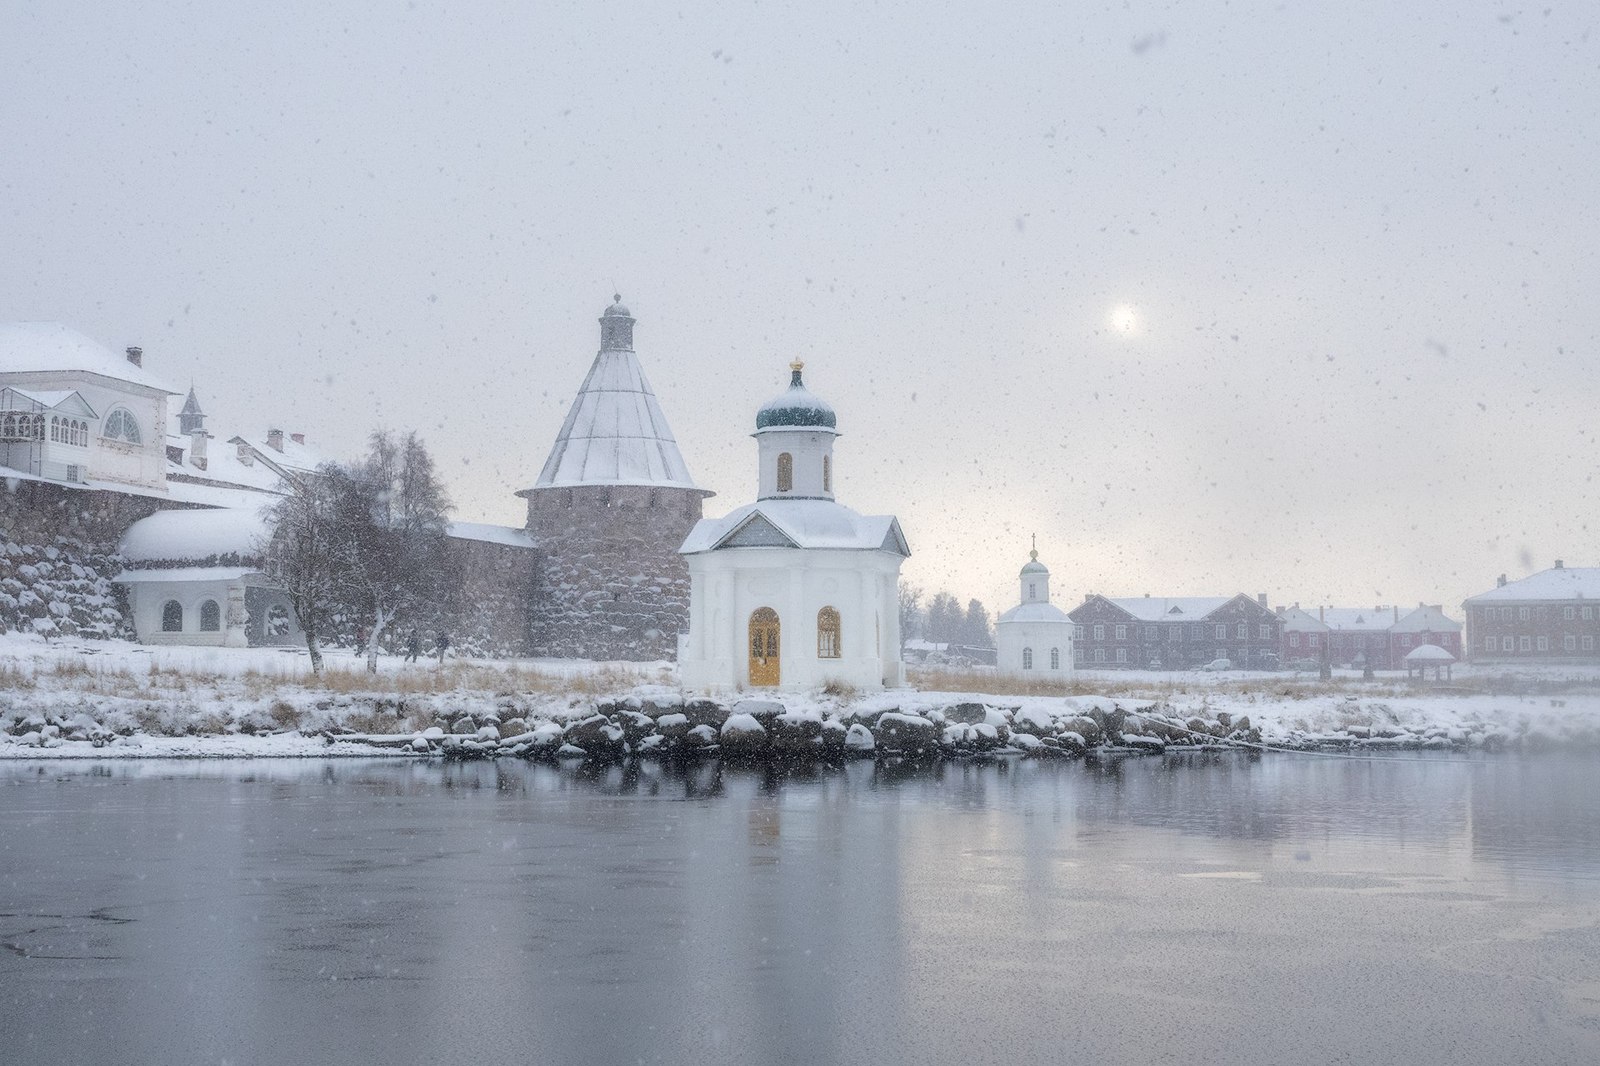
x,y
615,432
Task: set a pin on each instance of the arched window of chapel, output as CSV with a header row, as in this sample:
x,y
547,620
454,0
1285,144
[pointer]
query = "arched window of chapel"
x,y
828,633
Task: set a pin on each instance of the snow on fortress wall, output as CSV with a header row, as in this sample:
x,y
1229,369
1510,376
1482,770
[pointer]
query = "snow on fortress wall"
x,y
57,555
611,583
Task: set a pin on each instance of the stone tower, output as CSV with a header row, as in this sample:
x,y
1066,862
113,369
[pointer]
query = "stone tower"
x,y
611,506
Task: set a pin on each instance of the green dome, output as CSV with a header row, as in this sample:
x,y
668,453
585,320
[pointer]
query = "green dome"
x,y
796,407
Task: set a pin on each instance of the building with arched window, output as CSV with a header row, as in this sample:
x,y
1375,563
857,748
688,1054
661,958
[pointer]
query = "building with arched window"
x,y
795,590
1034,638
193,577
104,415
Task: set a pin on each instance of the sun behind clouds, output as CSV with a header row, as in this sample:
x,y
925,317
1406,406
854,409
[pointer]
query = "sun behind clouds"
x,y
1123,319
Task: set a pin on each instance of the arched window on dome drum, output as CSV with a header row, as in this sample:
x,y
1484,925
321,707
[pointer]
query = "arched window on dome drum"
x,y
1027,658
172,617
1055,658
210,617
827,473
785,472
828,642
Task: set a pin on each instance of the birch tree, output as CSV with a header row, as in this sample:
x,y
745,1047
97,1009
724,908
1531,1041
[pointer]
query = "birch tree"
x,y
306,547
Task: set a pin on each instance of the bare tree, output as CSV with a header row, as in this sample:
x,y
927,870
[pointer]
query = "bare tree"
x,y
305,549
396,549
910,612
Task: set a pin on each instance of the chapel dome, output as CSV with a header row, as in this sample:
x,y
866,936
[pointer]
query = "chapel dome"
x,y
797,407
617,309
1033,565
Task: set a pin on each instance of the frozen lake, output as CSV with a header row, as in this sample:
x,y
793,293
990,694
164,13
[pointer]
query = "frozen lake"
x,y
1188,909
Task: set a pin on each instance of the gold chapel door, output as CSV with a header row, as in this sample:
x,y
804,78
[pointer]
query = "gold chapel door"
x,y
764,647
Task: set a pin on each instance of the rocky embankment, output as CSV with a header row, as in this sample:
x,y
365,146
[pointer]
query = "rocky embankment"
x,y
767,729
656,722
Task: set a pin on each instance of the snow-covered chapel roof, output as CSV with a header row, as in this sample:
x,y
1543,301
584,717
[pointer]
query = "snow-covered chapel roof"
x,y
1038,611
796,524
195,535
615,432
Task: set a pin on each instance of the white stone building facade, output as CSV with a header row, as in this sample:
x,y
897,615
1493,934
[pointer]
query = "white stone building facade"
x,y
794,591
1034,638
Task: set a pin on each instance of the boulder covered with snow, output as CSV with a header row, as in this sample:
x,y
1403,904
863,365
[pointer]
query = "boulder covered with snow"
x,y
743,735
705,712
596,735
967,713
858,738
906,733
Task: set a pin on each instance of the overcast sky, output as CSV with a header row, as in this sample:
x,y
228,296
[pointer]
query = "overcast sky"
x,y
1215,297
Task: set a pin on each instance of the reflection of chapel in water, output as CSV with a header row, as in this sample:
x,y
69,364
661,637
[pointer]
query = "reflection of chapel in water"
x,y
794,590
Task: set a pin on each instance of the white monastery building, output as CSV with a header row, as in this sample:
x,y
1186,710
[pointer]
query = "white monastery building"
x,y
795,590
1034,638
73,412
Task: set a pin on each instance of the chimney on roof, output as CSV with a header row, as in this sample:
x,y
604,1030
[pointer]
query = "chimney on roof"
x,y
1261,598
1500,583
136,356
197,449
275,439
1322,614
1559,566
245,458
1397,611
298,438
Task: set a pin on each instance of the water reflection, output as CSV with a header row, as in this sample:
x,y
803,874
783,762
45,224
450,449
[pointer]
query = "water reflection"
x,y
283,911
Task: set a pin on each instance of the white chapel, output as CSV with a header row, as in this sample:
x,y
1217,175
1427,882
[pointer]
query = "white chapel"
x,y
1034,638
794,590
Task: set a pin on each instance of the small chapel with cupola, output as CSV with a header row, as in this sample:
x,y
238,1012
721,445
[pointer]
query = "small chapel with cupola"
x,y
1034,638
795,590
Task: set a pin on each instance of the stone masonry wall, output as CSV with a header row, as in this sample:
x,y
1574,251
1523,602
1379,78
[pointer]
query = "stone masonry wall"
x,y
611,583
491,604
58,552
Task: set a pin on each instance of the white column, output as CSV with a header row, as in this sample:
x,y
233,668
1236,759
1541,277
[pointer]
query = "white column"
x,y
730,643
797,630
860,619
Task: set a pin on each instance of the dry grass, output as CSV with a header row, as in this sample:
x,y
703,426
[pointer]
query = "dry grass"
x,y
1266,686
15,679
284,715
479,677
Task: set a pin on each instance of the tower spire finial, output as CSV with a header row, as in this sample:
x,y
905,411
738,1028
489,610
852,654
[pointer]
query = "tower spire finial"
x,y
1034,554
616,326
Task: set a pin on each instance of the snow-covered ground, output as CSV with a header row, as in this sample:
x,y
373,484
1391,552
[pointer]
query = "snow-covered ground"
x,y
111,698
